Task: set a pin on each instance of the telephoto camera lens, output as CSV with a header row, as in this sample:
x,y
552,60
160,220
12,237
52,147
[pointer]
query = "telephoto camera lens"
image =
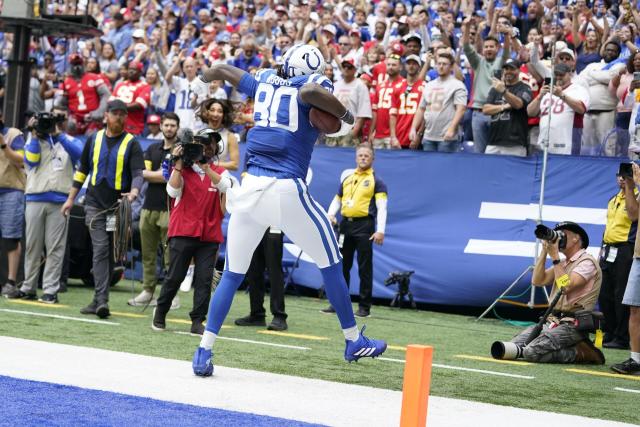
x,y
545,233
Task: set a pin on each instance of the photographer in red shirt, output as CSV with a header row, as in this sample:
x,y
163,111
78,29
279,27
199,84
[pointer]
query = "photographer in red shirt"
x,y
196,187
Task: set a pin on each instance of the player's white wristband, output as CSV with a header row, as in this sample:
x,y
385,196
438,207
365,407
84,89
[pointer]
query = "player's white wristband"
x,y
345,128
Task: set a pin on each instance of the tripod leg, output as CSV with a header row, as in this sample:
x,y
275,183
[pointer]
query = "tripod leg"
x,y
413,303
506,291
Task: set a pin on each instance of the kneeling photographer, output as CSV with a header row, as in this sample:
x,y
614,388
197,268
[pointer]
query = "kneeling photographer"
x,y
562,335
196,187
49,156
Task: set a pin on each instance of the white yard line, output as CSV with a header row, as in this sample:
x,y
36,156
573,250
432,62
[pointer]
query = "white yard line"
x,y
460,368
628,390
261,393
57,316
292,347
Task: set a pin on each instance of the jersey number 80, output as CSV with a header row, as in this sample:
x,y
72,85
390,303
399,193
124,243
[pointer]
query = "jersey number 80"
x,y
276,107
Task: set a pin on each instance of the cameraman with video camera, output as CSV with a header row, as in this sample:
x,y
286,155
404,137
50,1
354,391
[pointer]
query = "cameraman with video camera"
x,y
577,277
196,187
50,155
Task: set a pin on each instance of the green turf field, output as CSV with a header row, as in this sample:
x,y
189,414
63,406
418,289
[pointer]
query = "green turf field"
x,y
457,341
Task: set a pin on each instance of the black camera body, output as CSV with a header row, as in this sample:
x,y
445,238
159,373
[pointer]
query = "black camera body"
x,y
402,279
626,170
192,153
543,232
46,122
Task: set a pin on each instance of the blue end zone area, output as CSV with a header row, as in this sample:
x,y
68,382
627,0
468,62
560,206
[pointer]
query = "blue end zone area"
x,y
34,403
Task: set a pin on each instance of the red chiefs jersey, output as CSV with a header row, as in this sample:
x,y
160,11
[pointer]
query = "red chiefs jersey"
x,y
138,92
382,104
404,105
83,95
379,74
366,127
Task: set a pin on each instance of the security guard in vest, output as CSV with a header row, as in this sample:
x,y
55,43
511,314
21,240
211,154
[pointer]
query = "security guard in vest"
x,y
114,160
362,196
616,257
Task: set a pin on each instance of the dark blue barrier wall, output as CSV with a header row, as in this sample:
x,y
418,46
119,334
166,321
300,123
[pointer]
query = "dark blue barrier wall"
x,y
465,222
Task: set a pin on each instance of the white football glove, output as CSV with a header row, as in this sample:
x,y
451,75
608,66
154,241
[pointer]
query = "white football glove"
x,y
346,124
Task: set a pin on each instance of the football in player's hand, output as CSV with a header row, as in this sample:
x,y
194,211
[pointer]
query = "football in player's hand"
x,y
323,121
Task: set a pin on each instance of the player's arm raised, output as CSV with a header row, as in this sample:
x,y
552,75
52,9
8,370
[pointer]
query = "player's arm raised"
x,y
319,97
223,72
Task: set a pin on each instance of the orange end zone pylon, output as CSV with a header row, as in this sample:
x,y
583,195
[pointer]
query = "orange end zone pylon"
x,y
415,389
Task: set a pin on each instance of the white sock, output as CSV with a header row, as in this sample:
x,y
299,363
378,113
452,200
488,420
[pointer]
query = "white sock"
x,y
635,356
208,338
351,334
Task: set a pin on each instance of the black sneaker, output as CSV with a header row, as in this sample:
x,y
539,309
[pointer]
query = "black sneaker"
x,y
90,309
158,324
250,321
18,294
628,367
278,324
49,298
328,310
102,311
362,312
197,328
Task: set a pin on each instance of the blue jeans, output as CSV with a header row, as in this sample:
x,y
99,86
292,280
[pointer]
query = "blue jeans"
x,y
480,124
441,146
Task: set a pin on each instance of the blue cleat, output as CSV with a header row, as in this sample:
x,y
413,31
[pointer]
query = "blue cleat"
x,y
363,347
202,365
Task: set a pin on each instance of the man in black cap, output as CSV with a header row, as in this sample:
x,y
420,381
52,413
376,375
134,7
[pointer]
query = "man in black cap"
x,y
507,105
115,162
567,101
578,277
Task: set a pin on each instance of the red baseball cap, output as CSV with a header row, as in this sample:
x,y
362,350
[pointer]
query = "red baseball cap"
x,y
397,48
153,119
350,61
136,64
354,32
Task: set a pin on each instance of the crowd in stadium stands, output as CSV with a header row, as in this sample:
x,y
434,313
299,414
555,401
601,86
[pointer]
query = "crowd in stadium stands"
x,y
384,58
494,77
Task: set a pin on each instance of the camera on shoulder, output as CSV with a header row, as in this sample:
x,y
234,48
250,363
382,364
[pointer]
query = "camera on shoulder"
x,y
46,122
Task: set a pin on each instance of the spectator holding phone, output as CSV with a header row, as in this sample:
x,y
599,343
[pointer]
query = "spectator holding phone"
x,y
507,105
567,100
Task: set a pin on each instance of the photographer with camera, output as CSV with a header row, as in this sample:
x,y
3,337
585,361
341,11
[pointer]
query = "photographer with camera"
x,y
196,187
12,185
577,278
50,155
616,256
114,160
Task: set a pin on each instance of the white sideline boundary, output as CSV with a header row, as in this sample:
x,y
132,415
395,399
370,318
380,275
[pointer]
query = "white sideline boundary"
x,y
262,393
58,316
460,368
626,390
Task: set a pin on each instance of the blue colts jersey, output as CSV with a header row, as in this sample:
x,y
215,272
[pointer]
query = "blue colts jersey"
x,y
282,139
